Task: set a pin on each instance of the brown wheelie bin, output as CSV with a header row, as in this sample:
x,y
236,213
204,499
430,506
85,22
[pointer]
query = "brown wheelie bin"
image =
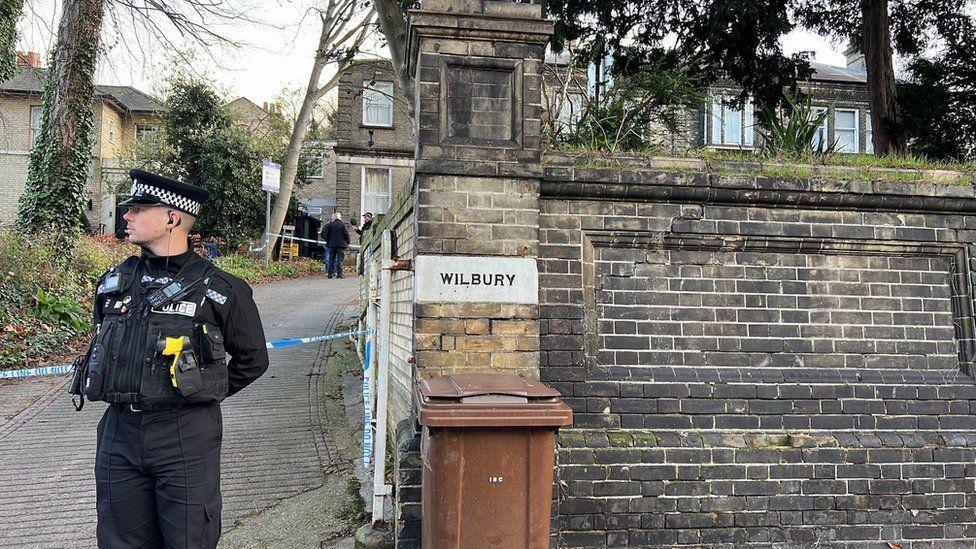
x,y
487,460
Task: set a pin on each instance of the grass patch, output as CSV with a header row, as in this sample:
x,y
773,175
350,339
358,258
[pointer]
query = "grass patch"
x,y
837,159
353,510
254,271
854,167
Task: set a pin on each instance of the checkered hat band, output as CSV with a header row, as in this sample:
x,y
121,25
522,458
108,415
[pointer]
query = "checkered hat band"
x,y
167,197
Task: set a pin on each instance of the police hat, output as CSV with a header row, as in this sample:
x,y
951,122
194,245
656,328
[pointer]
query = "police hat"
x,y
155,190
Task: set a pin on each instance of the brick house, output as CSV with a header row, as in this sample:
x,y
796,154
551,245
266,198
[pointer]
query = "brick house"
x,y
123,114
374,149
318,194
841,91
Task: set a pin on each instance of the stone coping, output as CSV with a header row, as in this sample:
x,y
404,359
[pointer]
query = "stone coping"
x,y
766,440
685,179
817,171
896,375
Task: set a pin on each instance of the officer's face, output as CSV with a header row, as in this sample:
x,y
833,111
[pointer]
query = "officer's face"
x,y
146,224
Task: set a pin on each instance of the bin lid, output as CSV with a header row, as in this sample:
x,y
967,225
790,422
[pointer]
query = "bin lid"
x,y
489,400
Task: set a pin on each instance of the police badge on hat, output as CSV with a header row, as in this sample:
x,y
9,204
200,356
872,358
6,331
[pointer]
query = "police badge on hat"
x,y
155,190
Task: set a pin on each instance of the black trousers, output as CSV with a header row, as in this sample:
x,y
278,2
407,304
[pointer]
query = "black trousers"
x,y
157,478
333,260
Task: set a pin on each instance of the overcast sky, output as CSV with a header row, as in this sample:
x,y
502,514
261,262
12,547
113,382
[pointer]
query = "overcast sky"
x,y
275,57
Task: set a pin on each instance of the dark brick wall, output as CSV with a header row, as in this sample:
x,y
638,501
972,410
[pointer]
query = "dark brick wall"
x,y
745,374
407,475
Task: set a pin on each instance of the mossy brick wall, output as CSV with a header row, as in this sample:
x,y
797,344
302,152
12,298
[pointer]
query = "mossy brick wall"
x,y
754,362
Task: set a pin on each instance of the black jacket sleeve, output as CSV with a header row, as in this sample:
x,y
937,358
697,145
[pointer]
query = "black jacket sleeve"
x,y
243,338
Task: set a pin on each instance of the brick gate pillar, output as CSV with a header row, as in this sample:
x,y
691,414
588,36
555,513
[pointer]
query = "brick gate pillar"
x,y
478,67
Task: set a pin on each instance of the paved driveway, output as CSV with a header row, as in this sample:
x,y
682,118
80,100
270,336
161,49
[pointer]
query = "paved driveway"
x,y
276,440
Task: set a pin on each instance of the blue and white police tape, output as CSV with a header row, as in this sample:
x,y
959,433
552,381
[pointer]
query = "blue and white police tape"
x,y
65,368
30,372
322,242
289,342
367,408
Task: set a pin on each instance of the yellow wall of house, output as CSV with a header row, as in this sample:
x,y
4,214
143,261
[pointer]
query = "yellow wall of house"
x,y
112,133
14,149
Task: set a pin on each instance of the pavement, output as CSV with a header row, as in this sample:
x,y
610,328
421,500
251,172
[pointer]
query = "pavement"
x,y
287,454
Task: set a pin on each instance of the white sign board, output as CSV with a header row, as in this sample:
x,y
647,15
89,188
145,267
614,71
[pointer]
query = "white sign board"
x,y
270,176
466,279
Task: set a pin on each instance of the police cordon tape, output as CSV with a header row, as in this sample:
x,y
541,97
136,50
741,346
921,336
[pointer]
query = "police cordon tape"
x,y
353,247
277,344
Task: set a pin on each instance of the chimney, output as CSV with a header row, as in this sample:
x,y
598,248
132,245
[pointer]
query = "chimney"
x,y
29,59
855,59
264,105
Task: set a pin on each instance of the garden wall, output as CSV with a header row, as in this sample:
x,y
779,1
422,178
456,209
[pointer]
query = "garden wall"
x,y
756,360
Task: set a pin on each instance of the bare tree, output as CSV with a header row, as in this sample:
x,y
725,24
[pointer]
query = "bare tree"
x,y
345,26
392,18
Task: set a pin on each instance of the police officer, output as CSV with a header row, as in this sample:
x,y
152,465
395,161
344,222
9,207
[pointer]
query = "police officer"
x,y
167,321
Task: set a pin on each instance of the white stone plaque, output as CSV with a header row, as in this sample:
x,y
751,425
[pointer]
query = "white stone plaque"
x,y
467,279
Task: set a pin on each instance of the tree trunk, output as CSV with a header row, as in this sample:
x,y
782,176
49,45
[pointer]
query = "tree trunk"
x,y
888,132
335,42
393,24
289,168
60,161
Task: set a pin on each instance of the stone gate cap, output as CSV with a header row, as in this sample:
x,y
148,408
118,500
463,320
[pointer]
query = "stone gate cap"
x,y
489,400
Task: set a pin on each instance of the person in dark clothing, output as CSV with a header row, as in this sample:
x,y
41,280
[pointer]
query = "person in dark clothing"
x,y
336,238
166,320
367,222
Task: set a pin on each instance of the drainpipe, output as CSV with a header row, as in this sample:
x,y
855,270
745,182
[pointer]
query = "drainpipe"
x,y
381,490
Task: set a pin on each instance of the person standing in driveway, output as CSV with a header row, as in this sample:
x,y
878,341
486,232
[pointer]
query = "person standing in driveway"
x,y
175,336
336,238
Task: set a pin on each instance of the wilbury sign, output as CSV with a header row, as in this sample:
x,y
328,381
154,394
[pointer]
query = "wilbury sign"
x,y
466,279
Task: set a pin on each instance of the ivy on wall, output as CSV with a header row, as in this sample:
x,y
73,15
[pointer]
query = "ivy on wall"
x,y
59,162
10,11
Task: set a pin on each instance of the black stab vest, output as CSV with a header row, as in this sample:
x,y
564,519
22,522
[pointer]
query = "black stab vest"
x,y
123,363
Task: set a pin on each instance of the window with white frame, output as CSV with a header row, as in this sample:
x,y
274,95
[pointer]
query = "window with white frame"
x,y
146,131
820,141
377,103
845,130
35,124
570,108
377,187
111,131
731,125
868,134
314,163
